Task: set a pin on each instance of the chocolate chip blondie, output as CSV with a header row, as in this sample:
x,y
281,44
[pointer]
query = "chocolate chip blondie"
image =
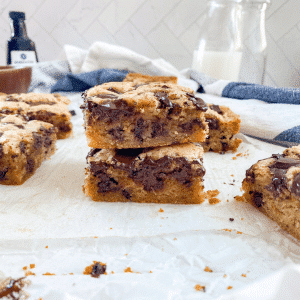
x,y
123,115
223,125
51,108
141,79
273,186
169,174
24,145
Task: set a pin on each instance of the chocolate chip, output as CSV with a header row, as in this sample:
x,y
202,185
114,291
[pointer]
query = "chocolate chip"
x,y
107,96
64,127
38,141
258,199
163,99
36,103
117,133
92,152
1,151
3,173
225,147
30,165
198,102
175,110
188,127
140,128
126,194
19,126
250,176
158,129
22,146
12,99
213,124
216,108
98,269
231,219
73,112
295,189
113,90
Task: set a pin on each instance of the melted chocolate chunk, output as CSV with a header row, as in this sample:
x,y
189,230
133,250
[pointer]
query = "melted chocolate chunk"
x,y
117,133
140,128
216,108
108,111
38,141
12,99
258,199
126,194
126,156
19,126
3,173
279,169
163,99
213,124
165,87
198,102
225,147
175,110
158,129
30,165
6,111
188,127
44,116
22,146
36,103
92,152
113,90
107,96
1,151
64,127
295,189
98,269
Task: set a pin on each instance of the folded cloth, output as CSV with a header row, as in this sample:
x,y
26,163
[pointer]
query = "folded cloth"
x,y
83,81
269,114
243,90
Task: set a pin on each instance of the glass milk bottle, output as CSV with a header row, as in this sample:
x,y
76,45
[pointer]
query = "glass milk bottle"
x,y
232,42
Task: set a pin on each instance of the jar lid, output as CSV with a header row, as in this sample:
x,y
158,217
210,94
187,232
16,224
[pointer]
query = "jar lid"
x,y
16,15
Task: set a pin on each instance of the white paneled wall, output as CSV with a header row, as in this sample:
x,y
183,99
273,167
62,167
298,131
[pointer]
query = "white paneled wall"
x,y
155,28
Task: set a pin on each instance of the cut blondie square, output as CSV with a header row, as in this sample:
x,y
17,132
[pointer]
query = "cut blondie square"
x,y
123,115
143,79
169,174
223,125
24,145
51,108
273,186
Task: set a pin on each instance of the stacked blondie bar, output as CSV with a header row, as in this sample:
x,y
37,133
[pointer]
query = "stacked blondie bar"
x,y
145,143
29,127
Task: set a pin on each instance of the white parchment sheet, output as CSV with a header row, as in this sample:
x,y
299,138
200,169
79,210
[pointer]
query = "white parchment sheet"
x,y
50,223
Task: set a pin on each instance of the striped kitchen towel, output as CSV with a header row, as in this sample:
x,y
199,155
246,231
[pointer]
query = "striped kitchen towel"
x,y
267,113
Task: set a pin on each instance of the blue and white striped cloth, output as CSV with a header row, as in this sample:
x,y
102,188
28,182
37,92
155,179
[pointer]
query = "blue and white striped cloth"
x,y
267,113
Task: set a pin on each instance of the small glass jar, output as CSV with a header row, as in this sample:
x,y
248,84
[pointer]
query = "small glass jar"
x,y
232,41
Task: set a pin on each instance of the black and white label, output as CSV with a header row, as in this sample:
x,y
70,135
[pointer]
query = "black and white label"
x,y
22,57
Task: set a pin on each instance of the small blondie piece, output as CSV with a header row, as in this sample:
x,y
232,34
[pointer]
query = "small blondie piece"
x,y
170,174
143,79
273,186
123,115
223,125
24,145
51,108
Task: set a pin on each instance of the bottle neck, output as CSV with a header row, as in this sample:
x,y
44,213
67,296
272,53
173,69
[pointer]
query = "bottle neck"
x,y
18,28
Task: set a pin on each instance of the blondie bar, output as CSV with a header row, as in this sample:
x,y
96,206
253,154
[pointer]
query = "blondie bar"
x,y
123,115
24,145
169,174
223,125
51,108
273,186
141,79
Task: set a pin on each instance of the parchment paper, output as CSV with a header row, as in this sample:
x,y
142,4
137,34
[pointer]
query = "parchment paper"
x,y
50,223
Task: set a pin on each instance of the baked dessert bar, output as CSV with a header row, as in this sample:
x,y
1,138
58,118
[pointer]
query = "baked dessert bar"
x,y
24,145
170,174
51,108
141,79
273,186
223,125
123,115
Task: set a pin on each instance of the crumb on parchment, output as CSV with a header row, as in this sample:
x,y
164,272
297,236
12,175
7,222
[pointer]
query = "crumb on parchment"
x,y
199,287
